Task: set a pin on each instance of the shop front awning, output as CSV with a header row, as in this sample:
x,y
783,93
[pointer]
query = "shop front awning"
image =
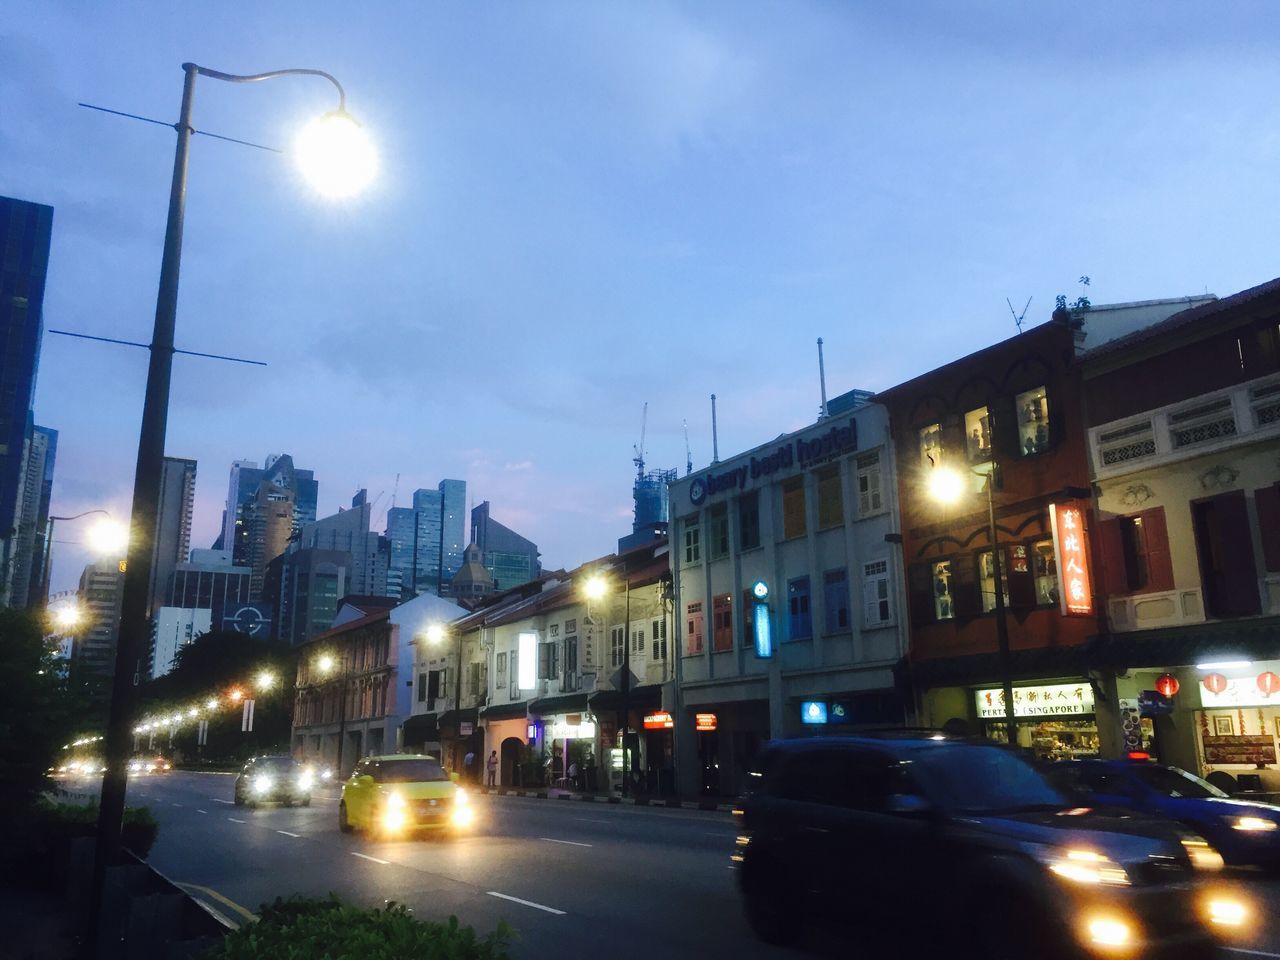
x,y
421,728
640,698
984,667
1256,639
505,711
450,719
565,703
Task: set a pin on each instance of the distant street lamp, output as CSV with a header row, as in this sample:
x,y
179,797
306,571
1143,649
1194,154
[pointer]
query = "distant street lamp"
x,y
326,664
436,634
350,160
48,543
596,588
948,486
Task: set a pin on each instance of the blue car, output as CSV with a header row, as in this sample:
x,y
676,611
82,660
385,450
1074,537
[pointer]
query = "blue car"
x,y
1243,831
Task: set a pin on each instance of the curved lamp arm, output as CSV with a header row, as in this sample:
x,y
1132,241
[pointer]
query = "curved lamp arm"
x,y
77,516
271,75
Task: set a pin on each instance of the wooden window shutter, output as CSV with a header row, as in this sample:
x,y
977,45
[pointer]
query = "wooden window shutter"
x,y
1159,560
1004,428
1115,578
1267,501
965,590
920,589
1234,541
1022,583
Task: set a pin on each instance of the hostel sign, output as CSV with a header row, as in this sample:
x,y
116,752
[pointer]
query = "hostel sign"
x,y
1071,551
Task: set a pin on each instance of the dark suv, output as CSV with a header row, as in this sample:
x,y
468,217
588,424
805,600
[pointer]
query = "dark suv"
x,y
957,847
267,779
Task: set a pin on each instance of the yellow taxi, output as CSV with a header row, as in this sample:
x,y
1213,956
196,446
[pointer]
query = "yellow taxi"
x,y
401,794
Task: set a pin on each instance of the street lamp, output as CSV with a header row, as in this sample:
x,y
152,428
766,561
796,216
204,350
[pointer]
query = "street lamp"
x,y
596,588
68,617
327,664
133,636
266,680
48,544
948,486
436,634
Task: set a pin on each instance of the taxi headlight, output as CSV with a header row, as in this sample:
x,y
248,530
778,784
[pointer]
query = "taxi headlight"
x,y
460,797
1109,932
263,784
1252,824
463,815
1087,866
393,814
1226,911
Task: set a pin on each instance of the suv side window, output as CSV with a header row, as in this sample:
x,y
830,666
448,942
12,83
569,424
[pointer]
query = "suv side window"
x,y
867,780
1105,781
807,777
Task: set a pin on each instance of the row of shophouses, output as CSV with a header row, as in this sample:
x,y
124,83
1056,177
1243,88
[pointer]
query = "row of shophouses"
x,y
1131,455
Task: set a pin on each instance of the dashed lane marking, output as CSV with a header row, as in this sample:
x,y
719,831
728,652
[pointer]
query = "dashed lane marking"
x,y
234,820
288,834
175,803
571,843
527,903
1249,953
198,810
365,856
220,800
589,820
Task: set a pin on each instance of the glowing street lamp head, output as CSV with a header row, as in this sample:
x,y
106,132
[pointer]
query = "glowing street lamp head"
x,y
237,696
108,538
595,588
945,485
67,618
266,680
211,704
336,155
326,664
192,712
435,633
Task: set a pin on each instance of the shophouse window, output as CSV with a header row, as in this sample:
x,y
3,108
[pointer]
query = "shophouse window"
x,y
718,532
1267,502
1224,547
987,580
513,691
931,446
617,645
943,606
835,601
553,630
800,618
422,688
869,501
659,635
637,641
793,518
1135,553
749,521
1032,408
722,623
500,668
877,611
571,626
1046,572
830,499
570,658
693,628
977,435
692,534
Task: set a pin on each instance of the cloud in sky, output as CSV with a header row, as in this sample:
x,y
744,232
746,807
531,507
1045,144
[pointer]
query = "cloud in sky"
x,y
584,207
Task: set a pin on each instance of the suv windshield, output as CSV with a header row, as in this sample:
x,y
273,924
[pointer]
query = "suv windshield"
x,y
972,779
410,771
275,764
1173,782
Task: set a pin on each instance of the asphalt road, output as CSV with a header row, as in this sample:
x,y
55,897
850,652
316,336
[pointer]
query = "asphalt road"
x,y
570,877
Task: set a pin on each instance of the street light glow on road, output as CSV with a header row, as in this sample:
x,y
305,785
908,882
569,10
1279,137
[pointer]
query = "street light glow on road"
x,y
336,155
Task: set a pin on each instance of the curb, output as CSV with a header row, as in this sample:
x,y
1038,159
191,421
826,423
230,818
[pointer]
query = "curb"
x,y
713,806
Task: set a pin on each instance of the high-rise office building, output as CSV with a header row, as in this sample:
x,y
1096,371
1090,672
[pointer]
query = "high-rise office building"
x,y
40,451
427,540
348,531
453,527
509,557
25,231
268,524
246,478
101,587
210,581
309,584
173,527
172,628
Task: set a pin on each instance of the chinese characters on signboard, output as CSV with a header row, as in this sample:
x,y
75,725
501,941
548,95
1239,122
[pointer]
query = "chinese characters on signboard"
x,y
1072,553
1046,700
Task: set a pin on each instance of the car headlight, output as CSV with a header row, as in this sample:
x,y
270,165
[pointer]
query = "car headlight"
x,y
460,797
306,780
326,774
263,784
1252,824
135,767
1086,866
393,814
1201,855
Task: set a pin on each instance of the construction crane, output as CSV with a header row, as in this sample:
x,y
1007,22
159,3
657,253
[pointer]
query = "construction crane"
x,y
638,459
688,454
395,491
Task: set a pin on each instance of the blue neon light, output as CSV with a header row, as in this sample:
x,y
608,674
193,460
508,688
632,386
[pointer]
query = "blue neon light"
x,y
763,633
813,711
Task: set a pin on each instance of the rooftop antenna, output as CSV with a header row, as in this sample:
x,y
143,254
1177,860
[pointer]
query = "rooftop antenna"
x,y
1018,317
638,459
715,438
822,380
688,454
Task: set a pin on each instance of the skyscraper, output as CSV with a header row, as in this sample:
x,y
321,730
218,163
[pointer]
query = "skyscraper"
x,y
453,527
511,558
427,540
246,477
173,527
41,450
25,230
101,588
268,525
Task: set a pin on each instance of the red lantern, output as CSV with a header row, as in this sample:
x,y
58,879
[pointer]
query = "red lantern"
x,y
1167,684
1215,683
1268,683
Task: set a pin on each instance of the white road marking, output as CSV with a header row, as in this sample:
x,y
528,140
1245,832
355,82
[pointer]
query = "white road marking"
x,y
527,903
218,800
589,820
198,810
234,820
1250,953
175,803
288,834
572,843
365,856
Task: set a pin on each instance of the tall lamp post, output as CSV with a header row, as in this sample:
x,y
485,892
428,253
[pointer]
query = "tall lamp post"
x,y
435,636
337,159
48,546
948,486
596,589
326,665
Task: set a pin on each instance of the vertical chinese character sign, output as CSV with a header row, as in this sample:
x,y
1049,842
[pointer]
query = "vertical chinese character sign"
x,y
1071,550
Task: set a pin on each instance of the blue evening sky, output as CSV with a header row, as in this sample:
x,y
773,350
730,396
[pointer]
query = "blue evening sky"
x,y
584,206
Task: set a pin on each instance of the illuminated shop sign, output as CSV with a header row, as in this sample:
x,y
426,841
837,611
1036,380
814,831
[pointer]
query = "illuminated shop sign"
x,y
1047,700
784,457
560,730
760,626
704,722
1259,687
527,674
658,721
813,711
1071,550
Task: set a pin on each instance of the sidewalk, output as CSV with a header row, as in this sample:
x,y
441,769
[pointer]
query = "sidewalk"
x,y
644,800
38,925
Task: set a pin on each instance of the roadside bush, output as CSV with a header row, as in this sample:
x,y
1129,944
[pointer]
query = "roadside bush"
x,y
53,825
307,929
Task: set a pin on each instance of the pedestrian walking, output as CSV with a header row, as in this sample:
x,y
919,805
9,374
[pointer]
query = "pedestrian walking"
x,y
469,766
573,774
492,765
